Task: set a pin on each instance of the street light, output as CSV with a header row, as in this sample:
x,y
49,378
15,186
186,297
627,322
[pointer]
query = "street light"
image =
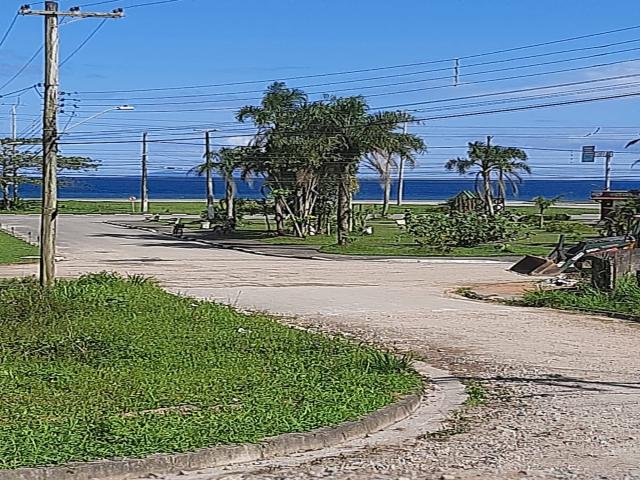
x,y
121,108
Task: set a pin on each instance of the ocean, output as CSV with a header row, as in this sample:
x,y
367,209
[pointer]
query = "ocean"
x,y
187,187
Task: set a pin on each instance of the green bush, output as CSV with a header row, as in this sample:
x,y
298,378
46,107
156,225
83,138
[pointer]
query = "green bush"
x,y
445,231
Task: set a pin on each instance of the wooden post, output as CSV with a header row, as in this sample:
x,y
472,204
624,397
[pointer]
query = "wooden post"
x,y
401,175
49,149
488,197
209,173
144,178
50,130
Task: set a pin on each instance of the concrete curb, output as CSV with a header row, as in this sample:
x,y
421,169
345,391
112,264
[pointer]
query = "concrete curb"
x,y
282,445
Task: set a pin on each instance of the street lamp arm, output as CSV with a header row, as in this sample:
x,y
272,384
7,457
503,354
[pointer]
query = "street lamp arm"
x,y
119,107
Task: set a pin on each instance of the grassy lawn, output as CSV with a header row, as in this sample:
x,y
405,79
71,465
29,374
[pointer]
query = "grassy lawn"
x,y
12,250
195,208
389,239
624,298
96,207
105,367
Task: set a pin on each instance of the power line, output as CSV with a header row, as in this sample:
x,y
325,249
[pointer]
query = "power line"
x,y
458,115
84,42
148,4
547,54
17,91
349,72
24,67
532,107
436,87
6,34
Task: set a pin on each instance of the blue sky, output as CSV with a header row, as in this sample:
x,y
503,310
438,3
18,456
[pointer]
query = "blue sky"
x,y
195,42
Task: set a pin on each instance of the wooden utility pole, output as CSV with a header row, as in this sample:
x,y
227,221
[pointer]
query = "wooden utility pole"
x,y
488,197
209,174
401,175
14,161
49,148
144,178
50,130
607,171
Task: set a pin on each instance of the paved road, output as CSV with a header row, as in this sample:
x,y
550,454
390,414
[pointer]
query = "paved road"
x,y
565,388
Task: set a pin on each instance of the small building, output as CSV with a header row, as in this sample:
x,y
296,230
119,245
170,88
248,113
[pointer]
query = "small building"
x,y
609,199
465,201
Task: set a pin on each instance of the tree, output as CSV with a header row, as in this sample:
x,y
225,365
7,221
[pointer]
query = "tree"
x,y
308,153
206,169
483,161
543,204
348,133
510,163
229,160
21,168
384,162
276,109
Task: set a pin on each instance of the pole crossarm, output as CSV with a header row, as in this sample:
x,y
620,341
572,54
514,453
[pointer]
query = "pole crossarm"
x,y
77,15
116,13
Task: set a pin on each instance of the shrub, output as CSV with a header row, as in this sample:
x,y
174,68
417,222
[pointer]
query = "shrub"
x,y
445,231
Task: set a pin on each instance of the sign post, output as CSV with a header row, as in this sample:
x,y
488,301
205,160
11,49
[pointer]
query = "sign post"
x,y
589,154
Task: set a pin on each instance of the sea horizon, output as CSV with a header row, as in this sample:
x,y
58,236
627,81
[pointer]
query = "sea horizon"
x,y
415,189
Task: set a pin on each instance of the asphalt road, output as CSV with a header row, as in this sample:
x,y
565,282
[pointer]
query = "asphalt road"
x,y
565,388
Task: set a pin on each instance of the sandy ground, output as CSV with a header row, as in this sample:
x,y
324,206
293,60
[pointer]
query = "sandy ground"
x,y
565,389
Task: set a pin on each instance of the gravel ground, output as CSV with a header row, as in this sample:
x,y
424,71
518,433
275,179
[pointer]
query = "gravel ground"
x,y
563,389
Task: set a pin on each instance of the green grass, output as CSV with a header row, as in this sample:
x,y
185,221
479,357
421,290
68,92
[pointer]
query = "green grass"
x,y
79,207
389,239
624,298
12,250
104,367
195,208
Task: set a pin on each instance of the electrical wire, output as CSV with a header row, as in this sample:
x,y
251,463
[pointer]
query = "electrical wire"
x,y
24,67
148,4
383,77
423,89
8,31
84,42
349,72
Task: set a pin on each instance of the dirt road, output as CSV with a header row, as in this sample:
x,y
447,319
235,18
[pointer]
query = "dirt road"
x,y
565,389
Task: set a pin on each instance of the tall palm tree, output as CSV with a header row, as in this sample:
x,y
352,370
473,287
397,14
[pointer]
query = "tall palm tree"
x,y
230,159
207,169
480,164
510,163
278,104
483,161
384,162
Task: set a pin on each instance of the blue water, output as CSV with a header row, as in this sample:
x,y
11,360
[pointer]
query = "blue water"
x,y
182,187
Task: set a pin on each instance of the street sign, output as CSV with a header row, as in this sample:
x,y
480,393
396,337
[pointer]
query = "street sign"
x,y
589,154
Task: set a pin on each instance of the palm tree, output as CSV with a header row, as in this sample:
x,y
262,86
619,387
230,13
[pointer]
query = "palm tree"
x,y
229,160
384,162
277,104
543,204
510,162
482,161
206,169
350,133
479,162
